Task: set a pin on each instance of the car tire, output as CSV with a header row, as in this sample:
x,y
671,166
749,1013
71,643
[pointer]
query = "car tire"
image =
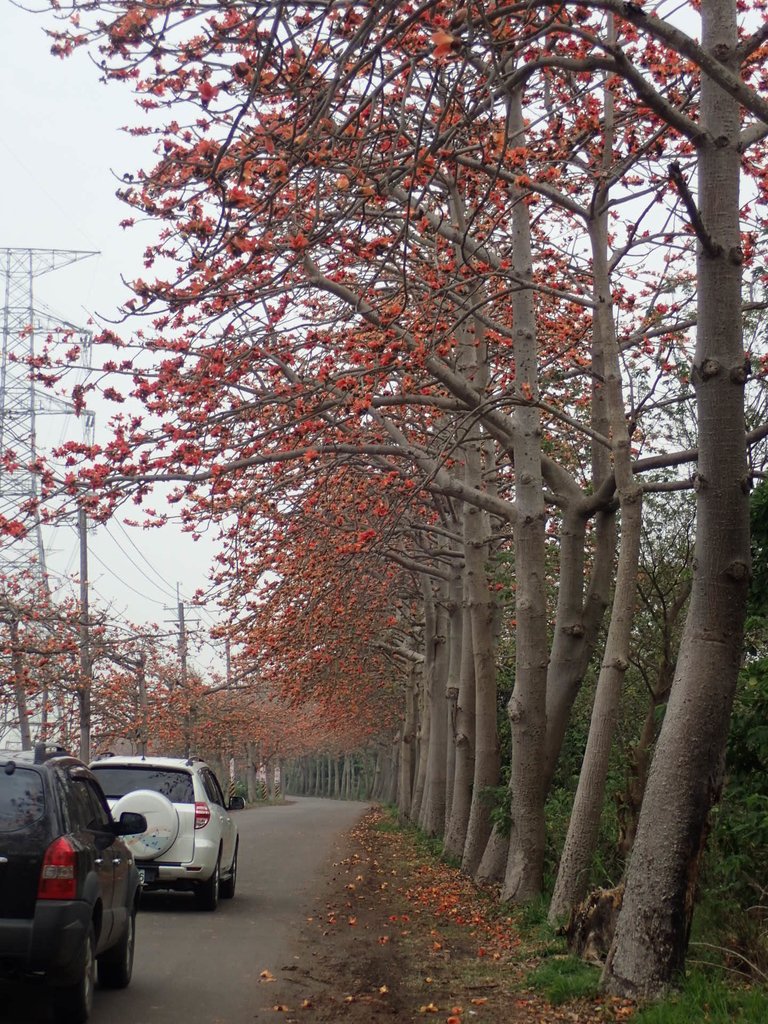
x,y
72,1004
116,965
227,885
207,893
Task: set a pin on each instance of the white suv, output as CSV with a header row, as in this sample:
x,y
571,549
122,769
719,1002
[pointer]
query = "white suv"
x,y
191,840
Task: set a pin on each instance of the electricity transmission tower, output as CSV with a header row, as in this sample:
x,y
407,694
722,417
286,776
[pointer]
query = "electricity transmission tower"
x,y
22,403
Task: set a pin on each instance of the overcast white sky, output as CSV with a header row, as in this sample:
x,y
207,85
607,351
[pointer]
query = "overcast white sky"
x,y
61,153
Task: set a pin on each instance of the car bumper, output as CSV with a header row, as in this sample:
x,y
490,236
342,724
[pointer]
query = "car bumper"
x,y
50,943
199,868
160,875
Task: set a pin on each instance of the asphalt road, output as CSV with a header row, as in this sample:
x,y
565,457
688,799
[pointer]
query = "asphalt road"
x,y
194,967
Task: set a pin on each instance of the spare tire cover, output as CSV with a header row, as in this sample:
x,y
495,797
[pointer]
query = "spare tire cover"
x,y
162,822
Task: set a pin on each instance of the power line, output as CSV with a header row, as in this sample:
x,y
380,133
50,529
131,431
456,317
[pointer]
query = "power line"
x,y
127,586
165,589
166,585
198,607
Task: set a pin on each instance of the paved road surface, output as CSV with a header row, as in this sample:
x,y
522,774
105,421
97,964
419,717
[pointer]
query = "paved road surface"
x,y
194,967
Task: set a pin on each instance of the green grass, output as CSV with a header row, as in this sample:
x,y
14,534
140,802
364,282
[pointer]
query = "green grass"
x,y
539,938
562,978
532,916
704,1000
387,824
432,846
428,846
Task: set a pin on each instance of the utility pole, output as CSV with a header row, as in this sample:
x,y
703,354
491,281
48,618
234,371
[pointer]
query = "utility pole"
x,y
188,717
86,665
182,641
183,679
141,676
138,665
231,742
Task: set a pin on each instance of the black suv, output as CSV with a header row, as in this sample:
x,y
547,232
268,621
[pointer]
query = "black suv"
x,y
68,886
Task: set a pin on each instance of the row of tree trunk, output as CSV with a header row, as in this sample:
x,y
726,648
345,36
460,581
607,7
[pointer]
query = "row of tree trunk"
x,y
363,776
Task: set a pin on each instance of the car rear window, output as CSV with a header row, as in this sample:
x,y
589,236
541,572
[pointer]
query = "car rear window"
x,y
117,780
21,798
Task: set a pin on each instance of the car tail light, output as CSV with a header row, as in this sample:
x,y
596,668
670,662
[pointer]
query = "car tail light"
x,y
58,878
202,815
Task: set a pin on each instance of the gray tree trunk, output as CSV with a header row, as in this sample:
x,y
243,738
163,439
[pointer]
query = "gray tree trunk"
x,y
424,706
581,841
393,771
578,618
252,783
484,614
452,690
17,665
463,735
527,706
493,863
432,815
651,936
408,746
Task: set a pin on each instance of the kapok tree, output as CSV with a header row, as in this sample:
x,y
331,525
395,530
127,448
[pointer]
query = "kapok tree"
x,y
517,41
687,768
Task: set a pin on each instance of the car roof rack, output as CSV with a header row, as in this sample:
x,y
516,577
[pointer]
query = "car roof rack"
x,y
43,751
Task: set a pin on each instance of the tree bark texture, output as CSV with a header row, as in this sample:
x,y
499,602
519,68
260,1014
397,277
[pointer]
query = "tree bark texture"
x,y
483,611
493,863
584,826
578,619
407,769
652,932
464,741
423,708
17,666
432,814
527,707
453,691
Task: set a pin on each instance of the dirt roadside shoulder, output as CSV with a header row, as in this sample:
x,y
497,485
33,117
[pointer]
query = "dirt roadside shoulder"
x,y
396,935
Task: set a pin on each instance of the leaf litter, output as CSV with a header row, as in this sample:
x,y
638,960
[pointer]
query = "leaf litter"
x,y
399,936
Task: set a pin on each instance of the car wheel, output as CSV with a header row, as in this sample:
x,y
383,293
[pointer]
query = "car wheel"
x,y
227,886
207,893
116,965
72,1004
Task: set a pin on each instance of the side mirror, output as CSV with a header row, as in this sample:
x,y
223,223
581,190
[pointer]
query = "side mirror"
x,y
131,824
236,803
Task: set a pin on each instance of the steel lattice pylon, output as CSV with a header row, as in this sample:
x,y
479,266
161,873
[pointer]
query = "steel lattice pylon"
x,y
21,402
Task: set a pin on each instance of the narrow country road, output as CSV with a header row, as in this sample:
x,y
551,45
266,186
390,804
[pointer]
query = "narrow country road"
x,y
204,968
